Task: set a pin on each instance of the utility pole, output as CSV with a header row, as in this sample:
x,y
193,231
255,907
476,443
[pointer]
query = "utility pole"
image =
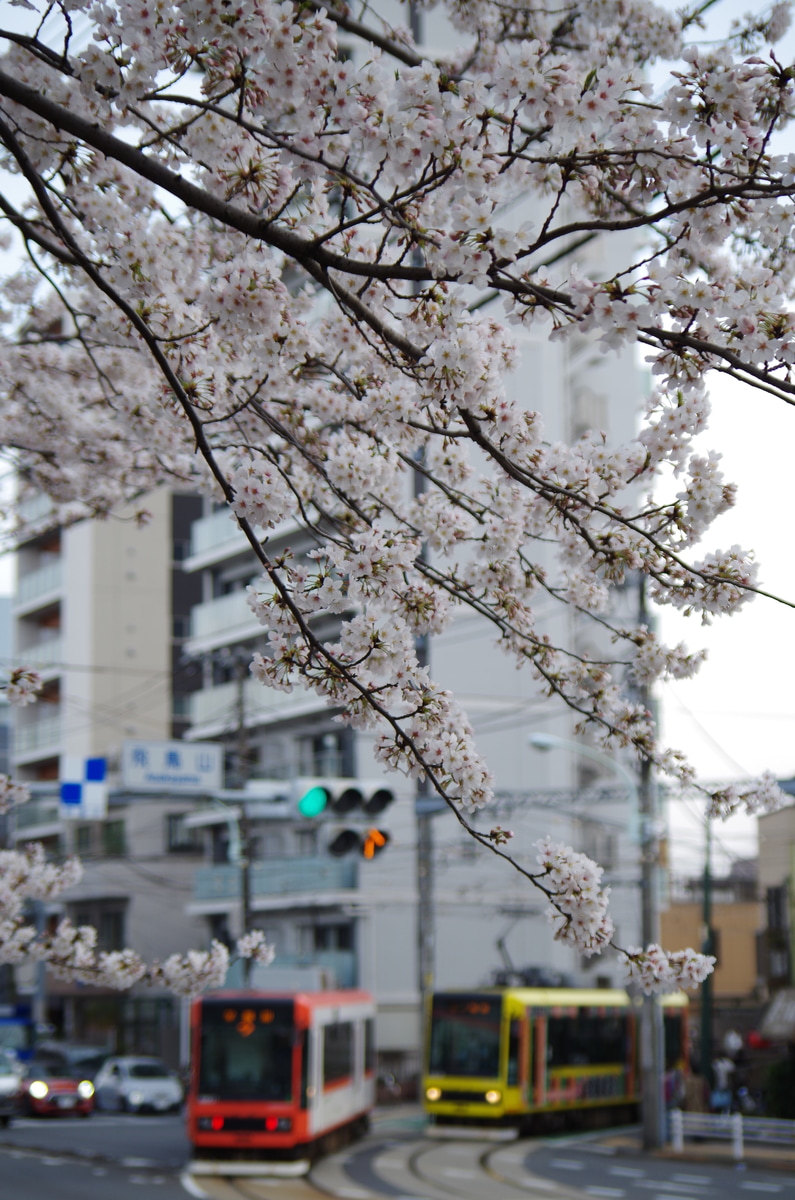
x,y
707,947
652,1033
244,830
425,808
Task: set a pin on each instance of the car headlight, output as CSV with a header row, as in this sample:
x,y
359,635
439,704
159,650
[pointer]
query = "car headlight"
x,y
38,1089
493,1096
136,1097
85,1089
433,1094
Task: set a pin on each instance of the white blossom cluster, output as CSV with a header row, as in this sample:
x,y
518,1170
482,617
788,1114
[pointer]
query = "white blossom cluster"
x,y
762,795
655,970
71,951
261,496
23,686
302,285
255,946
573,883
11,793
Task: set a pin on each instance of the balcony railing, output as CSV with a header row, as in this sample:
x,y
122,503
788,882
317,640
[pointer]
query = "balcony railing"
x,y
36,812
218,532
41,582
217,707
279,877
339,964
211,532
43,733
35,508
44,655
228,618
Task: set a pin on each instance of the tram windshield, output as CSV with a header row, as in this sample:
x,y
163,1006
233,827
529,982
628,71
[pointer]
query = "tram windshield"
x,y
465,1035
246,1049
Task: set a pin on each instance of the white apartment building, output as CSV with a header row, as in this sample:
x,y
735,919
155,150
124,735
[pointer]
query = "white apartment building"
x,y
100,610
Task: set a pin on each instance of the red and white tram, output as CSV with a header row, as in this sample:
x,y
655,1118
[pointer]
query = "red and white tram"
x,y
281,1075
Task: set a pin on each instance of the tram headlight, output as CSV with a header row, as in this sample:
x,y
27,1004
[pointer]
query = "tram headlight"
x,y
433,1094
493,1096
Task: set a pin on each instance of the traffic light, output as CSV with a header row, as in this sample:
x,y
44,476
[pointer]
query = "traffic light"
x,y
374,842
367,842
327,796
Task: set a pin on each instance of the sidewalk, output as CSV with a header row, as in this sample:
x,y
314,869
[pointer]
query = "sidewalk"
x,y
757,1155
409,1119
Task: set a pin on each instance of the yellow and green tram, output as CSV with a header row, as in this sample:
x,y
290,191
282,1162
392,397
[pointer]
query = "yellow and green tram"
x,y
525,1057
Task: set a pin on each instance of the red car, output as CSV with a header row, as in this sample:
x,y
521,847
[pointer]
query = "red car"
x,y
49,1091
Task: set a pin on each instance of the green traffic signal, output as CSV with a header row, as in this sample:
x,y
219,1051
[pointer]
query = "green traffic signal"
x,y
314,802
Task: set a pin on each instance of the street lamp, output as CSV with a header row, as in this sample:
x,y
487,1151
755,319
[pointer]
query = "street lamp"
x,y
652,1047
550,741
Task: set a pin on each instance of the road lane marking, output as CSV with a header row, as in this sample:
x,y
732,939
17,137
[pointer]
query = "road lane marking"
x,y
567,1164
603,1191
192,1188
750,1186
666,1183
627,1172
698,1180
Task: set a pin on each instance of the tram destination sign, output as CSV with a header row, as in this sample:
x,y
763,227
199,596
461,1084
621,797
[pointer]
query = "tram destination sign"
x,y
188,767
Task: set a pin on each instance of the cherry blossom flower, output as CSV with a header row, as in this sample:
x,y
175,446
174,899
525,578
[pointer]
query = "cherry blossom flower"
x,y
301,286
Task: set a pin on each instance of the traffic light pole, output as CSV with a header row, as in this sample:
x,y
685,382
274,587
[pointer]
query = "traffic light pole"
x,y
426,949
707,947
652,1032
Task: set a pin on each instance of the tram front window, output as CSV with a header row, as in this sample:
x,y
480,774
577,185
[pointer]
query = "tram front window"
x,y
246,1050
465,1036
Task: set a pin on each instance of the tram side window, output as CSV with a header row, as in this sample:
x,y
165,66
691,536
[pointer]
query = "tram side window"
x,y
369,1046
584,1039
514,1043
672,1027
337,1052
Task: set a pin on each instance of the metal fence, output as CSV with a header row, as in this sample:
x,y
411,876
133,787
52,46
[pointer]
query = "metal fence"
x,y
732,1127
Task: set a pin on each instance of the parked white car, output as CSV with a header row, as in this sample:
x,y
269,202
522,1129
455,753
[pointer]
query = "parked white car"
x,y
132,1084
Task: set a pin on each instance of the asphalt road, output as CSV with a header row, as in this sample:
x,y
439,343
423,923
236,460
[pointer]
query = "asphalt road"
x,y
602,1171
121,1157
150,1143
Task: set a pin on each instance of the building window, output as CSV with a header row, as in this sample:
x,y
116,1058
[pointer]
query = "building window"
x,y
324,754
314,938
306,843
113,842
83,840
271,845
107,917
180,840
180,626
110,930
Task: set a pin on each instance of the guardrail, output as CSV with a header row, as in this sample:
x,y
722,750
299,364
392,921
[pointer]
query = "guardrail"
x,y
733,1127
